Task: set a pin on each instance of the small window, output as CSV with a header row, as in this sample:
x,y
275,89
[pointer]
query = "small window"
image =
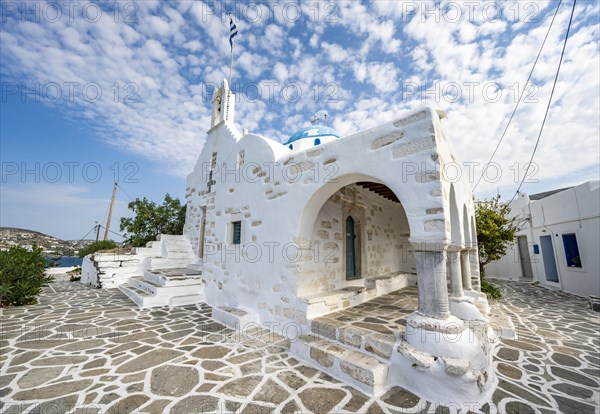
x,y
236,232
291,146
241,158
571,250
317,141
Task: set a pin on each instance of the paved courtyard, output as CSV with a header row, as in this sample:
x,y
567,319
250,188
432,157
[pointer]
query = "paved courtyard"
x,y
83,350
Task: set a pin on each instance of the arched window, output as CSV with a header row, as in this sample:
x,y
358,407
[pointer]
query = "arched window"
x,y
317,141
291,146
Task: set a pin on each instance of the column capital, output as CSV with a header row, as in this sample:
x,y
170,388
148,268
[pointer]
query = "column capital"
x,y
455,247
428,245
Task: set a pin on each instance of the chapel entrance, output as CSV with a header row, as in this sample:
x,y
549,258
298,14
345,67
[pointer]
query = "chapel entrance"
x,y
359,248
352,271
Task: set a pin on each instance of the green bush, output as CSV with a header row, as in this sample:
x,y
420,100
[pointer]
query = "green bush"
x,y
491,290
97,246
22,275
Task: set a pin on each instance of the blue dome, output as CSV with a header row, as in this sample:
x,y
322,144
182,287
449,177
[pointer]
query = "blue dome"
x,y
313,131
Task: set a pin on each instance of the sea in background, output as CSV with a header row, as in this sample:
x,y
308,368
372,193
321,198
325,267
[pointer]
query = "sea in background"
x,y
67,261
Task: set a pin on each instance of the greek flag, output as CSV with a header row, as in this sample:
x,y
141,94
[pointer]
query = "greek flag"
x,y
232,31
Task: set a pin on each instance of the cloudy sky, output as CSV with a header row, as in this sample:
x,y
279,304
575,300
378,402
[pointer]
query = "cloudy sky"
x,y
95,92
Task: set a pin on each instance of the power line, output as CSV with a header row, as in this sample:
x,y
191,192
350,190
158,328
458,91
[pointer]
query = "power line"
x,y
114,232
126,193
520,95
549,101
86,234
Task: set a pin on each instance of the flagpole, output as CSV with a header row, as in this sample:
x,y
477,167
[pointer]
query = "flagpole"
x,y
230,66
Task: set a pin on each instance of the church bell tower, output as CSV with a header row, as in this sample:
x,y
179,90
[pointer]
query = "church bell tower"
x,y
223,105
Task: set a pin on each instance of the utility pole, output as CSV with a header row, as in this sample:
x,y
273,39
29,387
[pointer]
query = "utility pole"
x,y
112,203
97,231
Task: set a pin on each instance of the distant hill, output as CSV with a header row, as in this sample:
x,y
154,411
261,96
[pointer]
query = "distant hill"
x,y
11,236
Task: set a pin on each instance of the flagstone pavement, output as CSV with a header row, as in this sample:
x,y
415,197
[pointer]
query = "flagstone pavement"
x,y
83,350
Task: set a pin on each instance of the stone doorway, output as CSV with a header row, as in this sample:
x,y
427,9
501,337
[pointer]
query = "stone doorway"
x,y
352,270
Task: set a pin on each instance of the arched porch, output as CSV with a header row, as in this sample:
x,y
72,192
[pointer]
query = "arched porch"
x,y
357,238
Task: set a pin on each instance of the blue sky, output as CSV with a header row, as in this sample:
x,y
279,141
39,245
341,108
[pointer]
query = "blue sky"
x,y
124,87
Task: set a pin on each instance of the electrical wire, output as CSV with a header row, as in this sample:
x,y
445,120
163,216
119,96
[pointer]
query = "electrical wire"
x,y
86,234
126,193
520,95
549,102
113,232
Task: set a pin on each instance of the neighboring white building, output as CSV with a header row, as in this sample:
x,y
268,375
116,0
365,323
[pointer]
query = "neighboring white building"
x,y
559,240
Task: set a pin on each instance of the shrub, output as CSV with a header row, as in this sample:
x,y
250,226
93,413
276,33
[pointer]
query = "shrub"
x,y
22,275
97,246
491,290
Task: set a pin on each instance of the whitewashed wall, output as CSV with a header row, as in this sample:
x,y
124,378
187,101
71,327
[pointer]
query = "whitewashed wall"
x,y
576,210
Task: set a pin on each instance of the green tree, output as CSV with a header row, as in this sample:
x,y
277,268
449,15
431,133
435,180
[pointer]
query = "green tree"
x,y
495,230
151,220
22,275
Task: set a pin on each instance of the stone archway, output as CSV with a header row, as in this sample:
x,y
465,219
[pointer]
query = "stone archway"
x,y
359,232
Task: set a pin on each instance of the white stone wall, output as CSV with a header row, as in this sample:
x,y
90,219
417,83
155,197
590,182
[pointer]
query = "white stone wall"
x,y
89,272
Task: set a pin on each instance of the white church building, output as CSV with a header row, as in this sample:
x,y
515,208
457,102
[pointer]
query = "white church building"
x,y
284,235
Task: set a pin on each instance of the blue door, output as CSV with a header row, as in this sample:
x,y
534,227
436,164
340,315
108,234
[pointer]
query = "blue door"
x,y
549,259
350,249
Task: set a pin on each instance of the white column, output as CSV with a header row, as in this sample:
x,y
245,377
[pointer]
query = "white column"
x,y
465,260
454,266
433,290
474,264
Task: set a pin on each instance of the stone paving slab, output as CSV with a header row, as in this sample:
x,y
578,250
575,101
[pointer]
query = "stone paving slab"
x,y
85,350
384,314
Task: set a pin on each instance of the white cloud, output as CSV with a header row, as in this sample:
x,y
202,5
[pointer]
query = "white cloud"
x,y
274,37
365,51
383,76
334,52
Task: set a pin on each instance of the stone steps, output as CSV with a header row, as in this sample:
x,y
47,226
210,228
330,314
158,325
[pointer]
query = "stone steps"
x,y
172,277
164,272
145,300
372,362
136,295
364,372
357,356
166,287
389,283
166,276
183,300
231,317
148,251
327,302
179,254
157,263
139,283
374,344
